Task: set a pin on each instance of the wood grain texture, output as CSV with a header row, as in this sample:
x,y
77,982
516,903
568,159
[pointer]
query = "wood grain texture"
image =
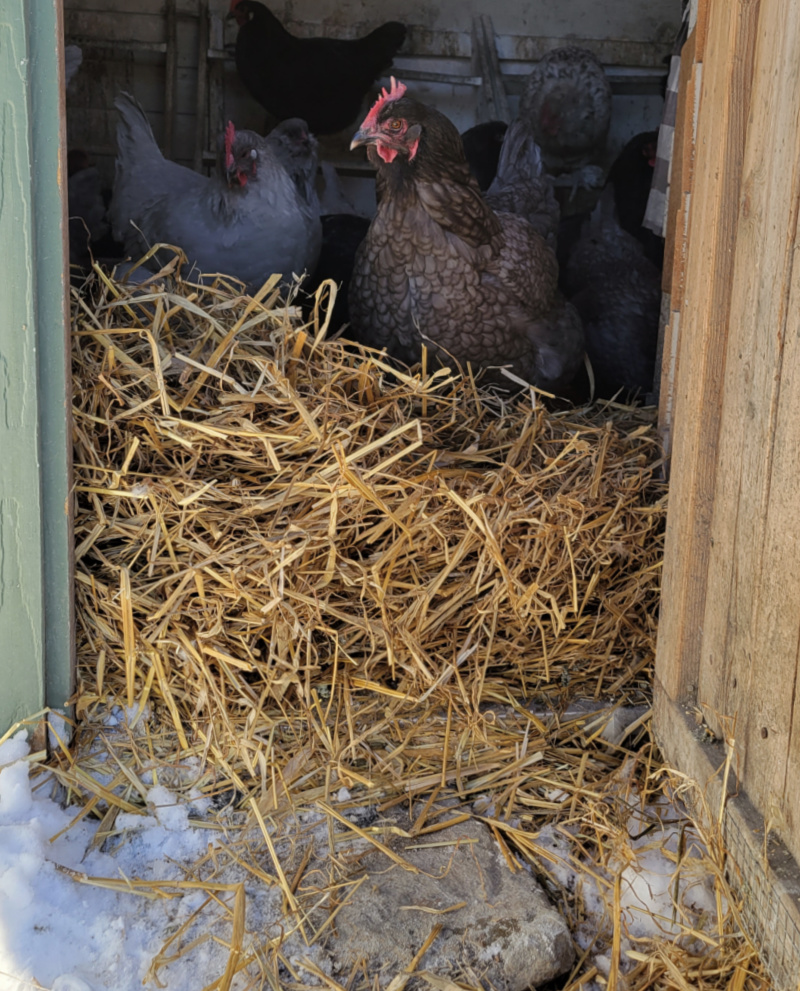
x,y
35,426
676,241
765,874
49,146
705,314
774,704
749,654
681,171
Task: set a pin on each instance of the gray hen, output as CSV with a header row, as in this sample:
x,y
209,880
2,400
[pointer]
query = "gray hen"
x,y
249,221
522,186
298,151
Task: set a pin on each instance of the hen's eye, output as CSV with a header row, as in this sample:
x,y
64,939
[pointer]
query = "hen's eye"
x,y
395,124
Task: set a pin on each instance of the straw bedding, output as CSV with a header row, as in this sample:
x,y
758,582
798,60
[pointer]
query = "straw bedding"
x,y
336,583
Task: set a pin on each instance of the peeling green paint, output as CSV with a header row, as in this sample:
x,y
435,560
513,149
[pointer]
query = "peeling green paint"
x,y
35,554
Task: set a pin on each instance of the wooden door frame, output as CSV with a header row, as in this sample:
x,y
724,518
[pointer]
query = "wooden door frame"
x,y
37,643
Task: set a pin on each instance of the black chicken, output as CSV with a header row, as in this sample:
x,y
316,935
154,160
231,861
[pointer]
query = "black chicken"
x,y
631,175
438,266
322,80
482,146
342,233
256,216
88,225
617,292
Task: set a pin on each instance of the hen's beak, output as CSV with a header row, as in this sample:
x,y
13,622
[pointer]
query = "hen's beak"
x,y
361,137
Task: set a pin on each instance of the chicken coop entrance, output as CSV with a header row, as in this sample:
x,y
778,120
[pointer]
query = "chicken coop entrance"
x,y
733,591
178,61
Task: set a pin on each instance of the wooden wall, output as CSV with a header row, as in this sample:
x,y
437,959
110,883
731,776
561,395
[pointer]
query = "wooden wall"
x,y
729,632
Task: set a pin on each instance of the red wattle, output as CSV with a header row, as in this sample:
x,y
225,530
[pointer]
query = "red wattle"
x,y
387,154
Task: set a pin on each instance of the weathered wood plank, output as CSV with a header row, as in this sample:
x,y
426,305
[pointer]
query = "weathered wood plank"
x,y
758,298
775,757
675,243
152,8
49,146
493,101
701,28
35,425
705,313
760,868
127,36
751,618
681,173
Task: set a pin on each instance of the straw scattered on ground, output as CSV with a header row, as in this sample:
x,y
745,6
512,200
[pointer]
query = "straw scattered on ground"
x,y
319,583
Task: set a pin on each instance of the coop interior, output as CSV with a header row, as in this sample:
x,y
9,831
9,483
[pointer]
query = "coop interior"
x,y
178,59
340,621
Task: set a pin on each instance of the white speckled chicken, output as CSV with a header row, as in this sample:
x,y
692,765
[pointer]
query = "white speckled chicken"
x,y
521,184
567,107
249,221
439,266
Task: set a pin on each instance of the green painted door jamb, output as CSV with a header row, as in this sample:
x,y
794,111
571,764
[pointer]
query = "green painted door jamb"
x,y
36,591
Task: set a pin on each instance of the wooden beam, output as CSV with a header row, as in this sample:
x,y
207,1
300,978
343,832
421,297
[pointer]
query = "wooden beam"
x,y
201,100
493,102
170,76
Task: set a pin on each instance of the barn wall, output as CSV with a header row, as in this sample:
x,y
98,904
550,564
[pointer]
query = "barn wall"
x,y
729,632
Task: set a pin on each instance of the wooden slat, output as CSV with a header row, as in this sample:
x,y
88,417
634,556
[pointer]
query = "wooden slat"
x,y
186,8
681,173
705,312
36,627
493,101
170,75
748,660
776,756
201,97
701,28
764,873
676,245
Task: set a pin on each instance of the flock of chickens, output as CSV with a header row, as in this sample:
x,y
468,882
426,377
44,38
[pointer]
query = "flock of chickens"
x,y
467,253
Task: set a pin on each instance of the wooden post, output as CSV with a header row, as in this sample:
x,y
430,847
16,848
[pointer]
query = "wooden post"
x,y
36,657
201,103
170,76
493,103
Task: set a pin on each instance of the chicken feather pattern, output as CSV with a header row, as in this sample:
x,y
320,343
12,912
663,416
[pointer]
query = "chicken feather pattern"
x,y
249,229
439,267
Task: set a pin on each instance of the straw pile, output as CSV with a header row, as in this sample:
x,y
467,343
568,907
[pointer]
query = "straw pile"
x,y
313,570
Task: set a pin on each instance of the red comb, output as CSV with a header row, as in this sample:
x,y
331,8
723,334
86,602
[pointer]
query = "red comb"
x,y
397,90
234,5
230,134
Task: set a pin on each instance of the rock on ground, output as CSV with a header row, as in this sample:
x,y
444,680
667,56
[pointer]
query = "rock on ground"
x,y
496,924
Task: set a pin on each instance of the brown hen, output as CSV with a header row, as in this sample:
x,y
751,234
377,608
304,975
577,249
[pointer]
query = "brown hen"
x,y
439,266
